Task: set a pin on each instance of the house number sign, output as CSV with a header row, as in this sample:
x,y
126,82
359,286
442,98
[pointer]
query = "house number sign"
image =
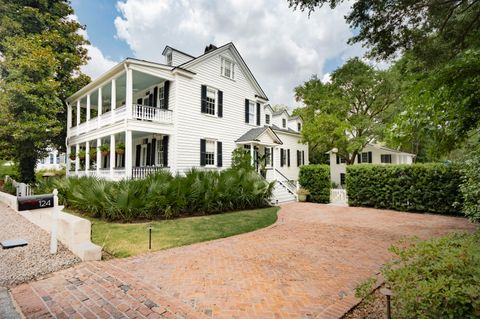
x,y
35,202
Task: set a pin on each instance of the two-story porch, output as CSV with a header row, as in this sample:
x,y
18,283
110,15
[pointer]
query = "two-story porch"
x,y
119,125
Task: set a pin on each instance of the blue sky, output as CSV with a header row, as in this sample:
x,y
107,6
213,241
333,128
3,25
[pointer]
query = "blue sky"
x,y
282,47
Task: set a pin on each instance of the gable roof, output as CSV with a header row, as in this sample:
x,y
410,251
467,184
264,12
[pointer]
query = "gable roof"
x,y
249,75
286,130
276,113
173,49
254,134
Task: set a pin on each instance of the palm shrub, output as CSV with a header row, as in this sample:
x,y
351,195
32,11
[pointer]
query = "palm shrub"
x,y
162,195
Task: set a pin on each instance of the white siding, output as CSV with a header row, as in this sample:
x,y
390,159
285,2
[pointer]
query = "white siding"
x,y
290,142
193,125
178,58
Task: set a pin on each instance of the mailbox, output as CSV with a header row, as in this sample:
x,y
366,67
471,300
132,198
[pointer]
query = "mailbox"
x,y
35,202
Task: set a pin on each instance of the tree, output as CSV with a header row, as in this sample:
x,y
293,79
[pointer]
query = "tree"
x,y
350,111
438,42
42,51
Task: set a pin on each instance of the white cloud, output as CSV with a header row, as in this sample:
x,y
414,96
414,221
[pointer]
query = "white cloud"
x,y
282,47
98,63
327,78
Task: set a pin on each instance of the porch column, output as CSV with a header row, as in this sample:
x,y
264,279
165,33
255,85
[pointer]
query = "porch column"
x,y
129,93
69,117
99,107
274,167
128,154
252,160
88,107
99,156
78,112
69,162
113,102
87,157
112,155
77,159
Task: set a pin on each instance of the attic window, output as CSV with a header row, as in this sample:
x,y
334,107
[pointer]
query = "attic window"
x,y
227,68
299,127
169,58
284,123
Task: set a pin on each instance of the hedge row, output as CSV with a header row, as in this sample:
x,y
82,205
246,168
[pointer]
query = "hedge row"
x,y
430,188
316,179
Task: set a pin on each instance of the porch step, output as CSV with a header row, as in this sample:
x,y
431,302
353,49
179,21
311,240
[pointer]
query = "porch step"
x,y
281,194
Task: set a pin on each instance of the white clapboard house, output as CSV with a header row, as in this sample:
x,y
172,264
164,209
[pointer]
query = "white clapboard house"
x,y
186,112
373,154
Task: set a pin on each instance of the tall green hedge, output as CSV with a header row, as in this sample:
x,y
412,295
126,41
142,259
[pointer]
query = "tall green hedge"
x,y
432,188
316,179
470,187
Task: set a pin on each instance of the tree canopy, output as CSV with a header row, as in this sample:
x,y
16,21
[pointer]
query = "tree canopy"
x,y
42,51
434,46
350,111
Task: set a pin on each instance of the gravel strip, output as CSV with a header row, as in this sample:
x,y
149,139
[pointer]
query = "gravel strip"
x,y
18,265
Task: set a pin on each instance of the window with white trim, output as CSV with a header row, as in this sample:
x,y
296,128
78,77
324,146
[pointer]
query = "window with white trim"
x,y
211,101
169,58
210,152
251,112
267,119
284,123
386,158
268,156
228,68
299,127
161,97
159,149
365,157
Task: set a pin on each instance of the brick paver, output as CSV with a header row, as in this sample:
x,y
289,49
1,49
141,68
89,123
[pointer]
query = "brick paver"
x,y
304,266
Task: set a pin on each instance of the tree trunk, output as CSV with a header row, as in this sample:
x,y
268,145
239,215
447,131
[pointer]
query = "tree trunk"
x,y
27,160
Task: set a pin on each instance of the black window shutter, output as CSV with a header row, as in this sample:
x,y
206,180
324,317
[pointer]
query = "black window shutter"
x,y
203,145
204,99
219,154
288,157
166,94
338,159
281,157
220,104
165,151
149,154
303,157
258,113
246,110
155,96
154,146
137,155
359,158
299,158
271,154
370,157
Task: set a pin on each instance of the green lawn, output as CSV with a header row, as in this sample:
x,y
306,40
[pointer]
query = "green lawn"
x,y
123,240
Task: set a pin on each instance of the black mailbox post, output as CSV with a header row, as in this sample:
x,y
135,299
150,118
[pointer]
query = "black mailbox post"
x,y
35,202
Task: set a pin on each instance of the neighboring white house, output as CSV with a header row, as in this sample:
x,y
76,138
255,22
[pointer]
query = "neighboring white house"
x,y
53,161
184,113
372,153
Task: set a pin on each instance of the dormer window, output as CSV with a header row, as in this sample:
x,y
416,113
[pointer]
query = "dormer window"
x,y
299,127
169,58
267,119
227,68
284,123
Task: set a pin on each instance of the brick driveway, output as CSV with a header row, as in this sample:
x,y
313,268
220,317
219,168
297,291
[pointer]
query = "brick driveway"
x,y
304,266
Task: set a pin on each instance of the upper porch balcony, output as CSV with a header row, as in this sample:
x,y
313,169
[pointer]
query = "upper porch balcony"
x,y
131,95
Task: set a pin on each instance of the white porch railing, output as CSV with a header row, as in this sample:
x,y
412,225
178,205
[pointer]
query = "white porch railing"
x,y
338,195
149,113
140,112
